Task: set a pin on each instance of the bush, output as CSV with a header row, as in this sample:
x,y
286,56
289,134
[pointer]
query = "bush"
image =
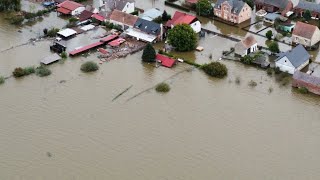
x,y
274,47
163,87
215,69
28,70
43,71
277,70
270,71
89,66
237,80
2,80
64,55
269,34
53,32
252,83
303,90
17,20
247,59
18,72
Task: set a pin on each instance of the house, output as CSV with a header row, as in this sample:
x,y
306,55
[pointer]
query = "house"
x,y
70,8
312,83
305,5
246,46
85,16
305,34
127,6
123,19
67,33
271,5
293,60
99,17
145,30
165,60
151,14
184,18
286,26
235,11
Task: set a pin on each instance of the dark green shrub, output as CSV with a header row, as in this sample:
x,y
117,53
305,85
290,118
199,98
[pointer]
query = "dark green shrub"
x,y
277,70
163,87
215,69
247,59
2,80
269,71
149,54
53,32
252,83
64,55
28,70
42,71
17,20
303,90
89,66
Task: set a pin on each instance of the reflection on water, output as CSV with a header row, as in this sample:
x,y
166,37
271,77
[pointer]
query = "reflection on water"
x,y
204,128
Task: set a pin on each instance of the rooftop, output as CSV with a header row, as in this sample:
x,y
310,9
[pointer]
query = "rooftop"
x,y
304,30
297,56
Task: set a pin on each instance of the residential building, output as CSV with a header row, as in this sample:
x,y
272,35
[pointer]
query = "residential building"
x,y
184,18
127,6
305,34
271,5
235,11
123,19
293,60
303,80
151,14
70,8
145,30
246,46
305,5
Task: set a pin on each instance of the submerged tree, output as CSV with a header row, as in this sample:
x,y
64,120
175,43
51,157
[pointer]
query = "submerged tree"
x,y
182,37
274,47
204,7
10,5
149,54
307,15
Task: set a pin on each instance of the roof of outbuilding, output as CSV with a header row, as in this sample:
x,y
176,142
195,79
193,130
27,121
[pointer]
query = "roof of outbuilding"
x,y
236,5
246,43
165,60
70,5
297,56
151,14
181,18
85,15
304,30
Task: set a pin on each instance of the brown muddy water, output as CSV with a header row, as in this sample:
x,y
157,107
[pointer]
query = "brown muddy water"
x,y
204,128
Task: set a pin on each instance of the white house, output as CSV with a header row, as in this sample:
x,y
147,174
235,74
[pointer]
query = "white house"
x,y
246,46
127,6
293,60
183,18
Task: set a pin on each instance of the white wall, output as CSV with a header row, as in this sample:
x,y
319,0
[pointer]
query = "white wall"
x,y
196,26
129,8
78,11
285,65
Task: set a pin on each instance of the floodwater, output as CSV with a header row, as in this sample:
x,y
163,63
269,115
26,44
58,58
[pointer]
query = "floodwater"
x,y
204,128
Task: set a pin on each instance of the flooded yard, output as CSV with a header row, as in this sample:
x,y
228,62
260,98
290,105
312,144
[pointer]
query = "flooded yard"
x,y
66,126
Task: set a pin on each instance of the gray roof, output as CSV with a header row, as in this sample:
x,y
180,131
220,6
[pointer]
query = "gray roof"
x,y
50,59
117,4
149,27
151,14
236,5
306,78
297,56
272,16
313,7
277,3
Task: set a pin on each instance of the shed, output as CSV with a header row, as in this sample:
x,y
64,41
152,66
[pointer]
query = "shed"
x,y
67,33
165,60
50,59
246,46
151,14
271,17
312,83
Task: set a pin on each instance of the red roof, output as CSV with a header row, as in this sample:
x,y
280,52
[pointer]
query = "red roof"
x,y
304,30
181,18
85,48
98,17
117,42
103,51
165,60
108,38
70,5
63,10
85,15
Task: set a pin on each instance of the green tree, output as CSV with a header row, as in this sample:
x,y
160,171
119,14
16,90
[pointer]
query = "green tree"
x,y
165,16
9,5
274,47
307,15
203,7
182,37
250,3
149,54
247,59
269,34
215,69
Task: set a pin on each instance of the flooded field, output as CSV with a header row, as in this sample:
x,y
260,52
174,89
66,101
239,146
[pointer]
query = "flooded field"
x,y
66,126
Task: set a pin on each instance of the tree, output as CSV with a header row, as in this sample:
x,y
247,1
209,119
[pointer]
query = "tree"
x,y
165,16
307,15
9,5
203,7
182,37
250,3
215,69
247,59
149,54
269,35
45,31
89,66
274,47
